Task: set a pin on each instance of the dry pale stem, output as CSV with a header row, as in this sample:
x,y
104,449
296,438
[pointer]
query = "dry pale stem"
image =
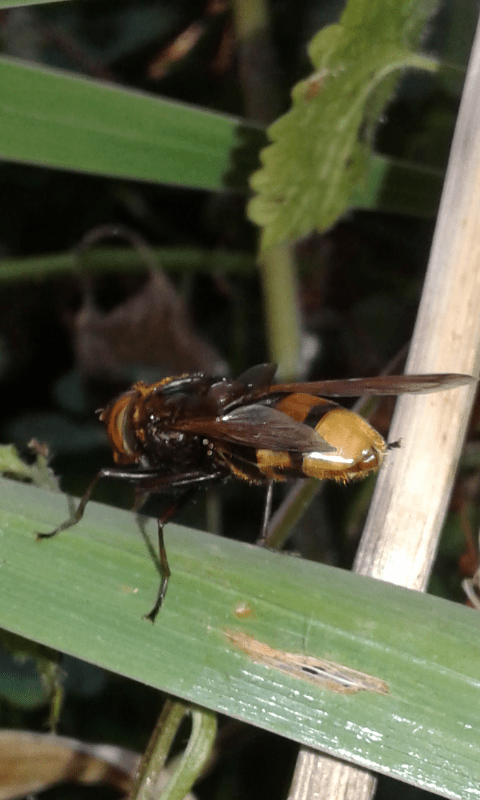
x,y
412,493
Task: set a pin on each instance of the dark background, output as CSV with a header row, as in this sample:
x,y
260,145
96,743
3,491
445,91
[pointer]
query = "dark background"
x,y
359,287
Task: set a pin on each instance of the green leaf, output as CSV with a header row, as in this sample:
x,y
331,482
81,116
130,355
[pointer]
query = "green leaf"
x,y
151,780
58,120
15,3
242,632
321,150
28,672
38,472
398,187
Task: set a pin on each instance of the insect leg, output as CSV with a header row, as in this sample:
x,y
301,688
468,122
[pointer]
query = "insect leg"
x,y
169,512
267,512
140,478
77,516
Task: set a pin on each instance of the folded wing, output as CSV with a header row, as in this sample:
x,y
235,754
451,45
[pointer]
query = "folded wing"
x,y
259,426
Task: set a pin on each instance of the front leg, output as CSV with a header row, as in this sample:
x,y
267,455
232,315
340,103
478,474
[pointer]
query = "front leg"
x,y
146,482
78,514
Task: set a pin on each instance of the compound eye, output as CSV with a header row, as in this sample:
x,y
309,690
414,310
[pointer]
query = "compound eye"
x,y
119,428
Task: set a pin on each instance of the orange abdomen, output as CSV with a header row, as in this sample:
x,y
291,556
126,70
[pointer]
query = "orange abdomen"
x,y
359,449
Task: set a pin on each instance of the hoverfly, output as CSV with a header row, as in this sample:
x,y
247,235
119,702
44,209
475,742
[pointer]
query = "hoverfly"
x,y
184,432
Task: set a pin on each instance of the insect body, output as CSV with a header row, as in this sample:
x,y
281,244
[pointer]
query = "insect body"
x,y
180,433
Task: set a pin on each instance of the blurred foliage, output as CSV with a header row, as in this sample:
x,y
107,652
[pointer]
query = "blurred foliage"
x,y
334,114
359,286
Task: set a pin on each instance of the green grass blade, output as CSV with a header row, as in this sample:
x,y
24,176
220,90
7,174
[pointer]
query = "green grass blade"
x,y
399,187
85,591
16,3
58,120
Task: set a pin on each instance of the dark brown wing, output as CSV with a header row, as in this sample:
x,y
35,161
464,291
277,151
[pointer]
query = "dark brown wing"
x,y
380,385
258,376
260,427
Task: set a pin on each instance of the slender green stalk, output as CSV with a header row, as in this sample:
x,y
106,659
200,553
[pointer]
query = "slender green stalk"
x,y
156,754
277,265
281,308
153,780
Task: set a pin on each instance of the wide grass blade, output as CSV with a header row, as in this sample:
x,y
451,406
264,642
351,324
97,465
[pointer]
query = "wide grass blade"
x,y
56,119
245,631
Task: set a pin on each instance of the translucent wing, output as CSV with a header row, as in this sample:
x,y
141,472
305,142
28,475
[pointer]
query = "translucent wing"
x,y
380,385
258,426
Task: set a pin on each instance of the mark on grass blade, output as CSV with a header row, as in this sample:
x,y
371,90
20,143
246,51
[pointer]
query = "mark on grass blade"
x,y
319,671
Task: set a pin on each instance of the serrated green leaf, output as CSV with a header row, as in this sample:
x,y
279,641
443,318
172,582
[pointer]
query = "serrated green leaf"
x,y
321,149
